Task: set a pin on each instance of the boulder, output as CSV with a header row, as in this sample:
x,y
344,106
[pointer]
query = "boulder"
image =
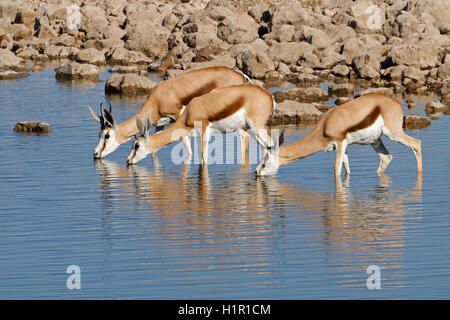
x,y
301,95
386,91
129,84
11,74
293,112
415,121
289,52
423,54
91,55
434,107
9,61
237,28
340,70
148,38
75,70
443,71
288,12
33,127
255,63
341,90
318,38
122,56
341,100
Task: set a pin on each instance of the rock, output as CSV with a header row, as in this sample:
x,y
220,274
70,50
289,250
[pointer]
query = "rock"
x,y
91,55
75,70
414,121
60,52
237,28
11,74
293,112
43,30
434,107
122,56
316,37
289,52
20,32
341,90
301,95
309,59
342,100
386,91
26,16
366,66
255,64
340,70
423,54
284,33
147,38
129,84
28,53
443,71
288,12
9,61
413,73
33,127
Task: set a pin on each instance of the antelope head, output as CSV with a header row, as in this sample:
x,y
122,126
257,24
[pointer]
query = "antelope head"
x,y
142,144
107,136
270,163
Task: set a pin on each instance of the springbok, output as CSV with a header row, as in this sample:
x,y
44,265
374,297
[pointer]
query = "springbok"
x,y
240,107
164,105
360,121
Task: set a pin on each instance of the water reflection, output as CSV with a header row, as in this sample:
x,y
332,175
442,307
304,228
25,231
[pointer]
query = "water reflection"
x,y
235,214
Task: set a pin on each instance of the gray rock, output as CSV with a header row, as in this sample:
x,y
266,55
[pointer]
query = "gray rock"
x,y
33,127
434,107
301,95
341,90
75,70
129,84
414,121
293,112
91,56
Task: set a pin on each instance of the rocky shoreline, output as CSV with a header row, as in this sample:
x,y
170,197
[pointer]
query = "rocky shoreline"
x,y
398,47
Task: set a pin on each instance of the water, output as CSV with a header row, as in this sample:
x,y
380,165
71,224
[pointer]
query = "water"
x,y
183,231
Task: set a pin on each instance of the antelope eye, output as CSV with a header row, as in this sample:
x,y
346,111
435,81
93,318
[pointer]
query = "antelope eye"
x,y
107,136
136,146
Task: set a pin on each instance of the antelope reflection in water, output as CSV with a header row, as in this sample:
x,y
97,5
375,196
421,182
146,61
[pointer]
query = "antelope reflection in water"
x,y
244,219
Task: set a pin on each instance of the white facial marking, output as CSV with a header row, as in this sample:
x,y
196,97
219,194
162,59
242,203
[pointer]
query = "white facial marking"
x,y
107,143
138,151
268,166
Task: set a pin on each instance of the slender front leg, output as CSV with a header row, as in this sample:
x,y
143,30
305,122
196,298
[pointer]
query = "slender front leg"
x,y
383,153
205,140
346,164
187,145
244,145
340,153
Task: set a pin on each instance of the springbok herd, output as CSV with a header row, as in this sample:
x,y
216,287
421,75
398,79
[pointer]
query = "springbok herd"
x,y
221,99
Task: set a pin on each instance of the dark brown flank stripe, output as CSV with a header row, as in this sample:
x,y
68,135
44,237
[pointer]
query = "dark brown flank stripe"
x,y
199,92
230,109
368,121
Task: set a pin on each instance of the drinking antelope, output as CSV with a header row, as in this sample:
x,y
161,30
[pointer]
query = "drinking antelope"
x,y
360,121
241,107
164,105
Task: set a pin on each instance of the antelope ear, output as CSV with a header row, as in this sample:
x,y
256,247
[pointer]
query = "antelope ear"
x,y
108,117
281,138
95,115
148,126
140,125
